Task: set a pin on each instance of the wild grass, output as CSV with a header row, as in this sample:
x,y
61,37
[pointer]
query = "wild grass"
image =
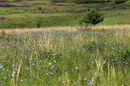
x,y
65,58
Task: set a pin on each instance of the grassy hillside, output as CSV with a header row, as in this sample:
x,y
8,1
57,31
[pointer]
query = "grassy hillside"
x,y
38,46
32,13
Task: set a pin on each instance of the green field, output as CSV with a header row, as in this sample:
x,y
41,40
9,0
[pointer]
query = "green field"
x,y
66,58
29,15
42,45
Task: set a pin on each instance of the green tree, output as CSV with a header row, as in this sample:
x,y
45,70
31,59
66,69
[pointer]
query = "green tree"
x,y
93,17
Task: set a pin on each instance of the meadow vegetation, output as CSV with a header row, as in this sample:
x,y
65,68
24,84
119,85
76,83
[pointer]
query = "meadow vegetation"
x,y
65,58
42,44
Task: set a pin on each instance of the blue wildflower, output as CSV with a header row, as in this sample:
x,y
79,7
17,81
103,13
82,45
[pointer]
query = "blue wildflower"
x,y
76,68
1,66
75,83
85,79
47,74
33,64
54,61
13,72
125,47
1,84
90,83
2,79
21,80
113,60
8,75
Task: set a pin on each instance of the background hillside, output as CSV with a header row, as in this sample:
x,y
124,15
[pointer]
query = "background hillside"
x,y
50,13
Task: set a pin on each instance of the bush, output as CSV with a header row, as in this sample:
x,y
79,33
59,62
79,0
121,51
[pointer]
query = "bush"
x,y
120,1
93,17
38,25
38,22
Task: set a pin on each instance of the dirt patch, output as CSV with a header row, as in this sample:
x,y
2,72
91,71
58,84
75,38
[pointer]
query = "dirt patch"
x,y
51,4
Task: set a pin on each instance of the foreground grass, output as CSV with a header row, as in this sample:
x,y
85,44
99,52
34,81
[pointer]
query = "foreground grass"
x,y
65,58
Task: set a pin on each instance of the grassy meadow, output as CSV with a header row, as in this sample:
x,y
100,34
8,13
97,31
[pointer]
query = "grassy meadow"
x,y
65,57
43,45
23,15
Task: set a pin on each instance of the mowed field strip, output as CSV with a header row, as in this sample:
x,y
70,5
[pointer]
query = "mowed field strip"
x,y
20,30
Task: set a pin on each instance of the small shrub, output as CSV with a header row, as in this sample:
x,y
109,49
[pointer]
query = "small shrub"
x,y
40,8
93,17
38,22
